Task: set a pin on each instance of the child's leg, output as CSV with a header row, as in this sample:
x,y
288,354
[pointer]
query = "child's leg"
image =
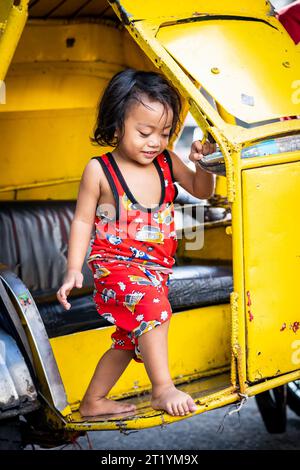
x,y
153,346
110,367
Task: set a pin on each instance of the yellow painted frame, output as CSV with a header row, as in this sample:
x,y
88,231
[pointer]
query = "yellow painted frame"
x,y
12,21
231,139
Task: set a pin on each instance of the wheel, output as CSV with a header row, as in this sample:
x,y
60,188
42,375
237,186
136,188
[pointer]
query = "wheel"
x,y
10,434
293,396
272,407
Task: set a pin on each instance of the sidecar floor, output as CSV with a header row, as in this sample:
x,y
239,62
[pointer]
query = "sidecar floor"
x,y
208,393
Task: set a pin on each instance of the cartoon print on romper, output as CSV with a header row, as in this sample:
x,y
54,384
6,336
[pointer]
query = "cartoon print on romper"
x,y
113,239
107,294
137,299
132,299
122,285
143,327
148,233
173,234
118,342
139,280
108,316
123,338
102,214
127,203
140,254
124,258
100,271
164,216
152,276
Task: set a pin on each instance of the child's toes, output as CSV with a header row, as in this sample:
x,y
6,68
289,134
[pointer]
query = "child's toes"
x,y
181,409
185,408
130,408
192,405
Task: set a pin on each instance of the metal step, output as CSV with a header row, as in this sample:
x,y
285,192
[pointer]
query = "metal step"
x,y
208,393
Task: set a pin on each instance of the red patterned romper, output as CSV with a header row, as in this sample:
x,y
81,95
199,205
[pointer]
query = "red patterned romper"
x,y
132,255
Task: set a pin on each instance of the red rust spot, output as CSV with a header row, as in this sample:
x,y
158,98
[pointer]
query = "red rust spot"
x,y
295,326
250,316
249,300
283,327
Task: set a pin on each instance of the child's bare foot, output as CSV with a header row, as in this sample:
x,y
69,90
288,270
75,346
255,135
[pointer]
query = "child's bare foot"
x,y
173,401
104,406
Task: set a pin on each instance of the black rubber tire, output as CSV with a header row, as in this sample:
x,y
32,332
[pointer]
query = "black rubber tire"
x,y
293,396
272,407
10,434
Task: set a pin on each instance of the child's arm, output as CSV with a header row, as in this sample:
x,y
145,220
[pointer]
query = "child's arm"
x,y
81,229
84,216
199,183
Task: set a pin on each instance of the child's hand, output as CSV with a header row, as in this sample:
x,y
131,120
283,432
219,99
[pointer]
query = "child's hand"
x,y
72,279
198,150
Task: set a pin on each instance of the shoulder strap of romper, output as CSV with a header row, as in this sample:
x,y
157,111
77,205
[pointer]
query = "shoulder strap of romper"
x,y
170,168
112,179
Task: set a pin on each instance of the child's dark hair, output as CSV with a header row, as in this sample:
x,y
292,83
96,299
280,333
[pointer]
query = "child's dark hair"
x,y
123,89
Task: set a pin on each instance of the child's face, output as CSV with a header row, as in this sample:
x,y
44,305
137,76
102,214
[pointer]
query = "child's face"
x,y
146,131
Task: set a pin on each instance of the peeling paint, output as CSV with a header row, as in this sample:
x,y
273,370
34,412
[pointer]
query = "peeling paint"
x,y
24,299
122,427
197,13
283,327
163,423
295,326
249,299
29,386
251,317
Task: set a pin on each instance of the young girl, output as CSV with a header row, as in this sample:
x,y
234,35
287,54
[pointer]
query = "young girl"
x,y
128,196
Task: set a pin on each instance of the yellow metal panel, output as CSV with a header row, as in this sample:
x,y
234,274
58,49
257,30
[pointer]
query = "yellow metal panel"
x,y
156,8
249,80
73,42
221,186
255,162
12,22
207,329
52,97
55,90
51,146
272,269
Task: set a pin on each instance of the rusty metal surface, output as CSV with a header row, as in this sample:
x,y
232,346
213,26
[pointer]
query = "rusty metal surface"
x,y
17,389
48,374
